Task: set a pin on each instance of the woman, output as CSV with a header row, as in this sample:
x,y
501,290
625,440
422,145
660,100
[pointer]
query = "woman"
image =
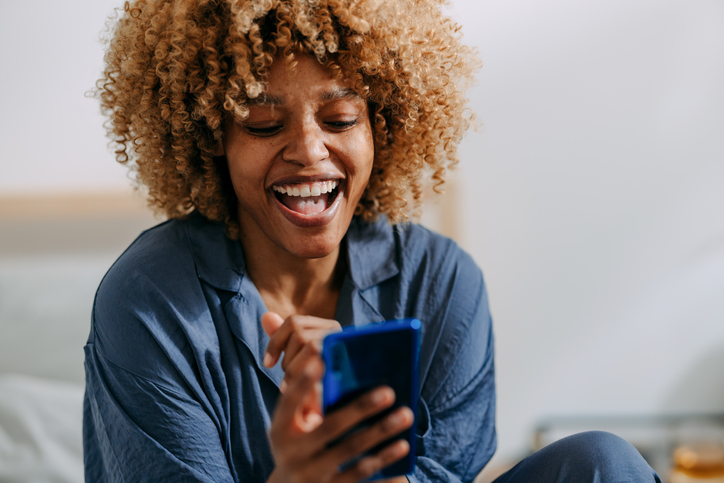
x,y
287,141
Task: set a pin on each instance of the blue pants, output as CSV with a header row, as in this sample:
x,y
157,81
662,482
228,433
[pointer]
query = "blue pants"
x,y
591,457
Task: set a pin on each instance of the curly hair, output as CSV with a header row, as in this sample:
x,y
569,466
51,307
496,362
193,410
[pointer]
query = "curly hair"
x,y
176,69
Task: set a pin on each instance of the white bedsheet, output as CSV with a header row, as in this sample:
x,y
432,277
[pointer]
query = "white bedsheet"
x,y
40,430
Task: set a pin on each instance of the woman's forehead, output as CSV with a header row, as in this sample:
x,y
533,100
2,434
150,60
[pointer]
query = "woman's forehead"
x,y
334,94
304,72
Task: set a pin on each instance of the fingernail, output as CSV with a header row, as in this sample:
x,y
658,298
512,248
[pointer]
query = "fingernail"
x,y
401,448
380,396
267,360
399,418
283,386
395,419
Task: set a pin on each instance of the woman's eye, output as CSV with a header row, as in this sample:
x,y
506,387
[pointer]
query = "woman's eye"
x,y
341,125
263,131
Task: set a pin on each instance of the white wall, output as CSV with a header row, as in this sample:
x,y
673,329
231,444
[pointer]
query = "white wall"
x,y
51,136
591,197
594,200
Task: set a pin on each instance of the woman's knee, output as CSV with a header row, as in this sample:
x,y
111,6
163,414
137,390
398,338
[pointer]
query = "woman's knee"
x,y
593,456
600,456
598,448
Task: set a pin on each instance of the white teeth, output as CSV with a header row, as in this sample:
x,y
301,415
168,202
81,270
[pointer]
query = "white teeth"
x,y
307,190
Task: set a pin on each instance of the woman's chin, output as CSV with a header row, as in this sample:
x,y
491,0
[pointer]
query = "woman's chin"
x,y
312,247
316,235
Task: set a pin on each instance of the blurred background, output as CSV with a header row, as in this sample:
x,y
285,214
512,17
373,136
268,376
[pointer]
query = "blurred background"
x,y
591,195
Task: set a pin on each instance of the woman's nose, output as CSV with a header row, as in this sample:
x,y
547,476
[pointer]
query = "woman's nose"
x,y
307,145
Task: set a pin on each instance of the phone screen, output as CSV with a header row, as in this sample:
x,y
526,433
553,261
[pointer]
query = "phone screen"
x,y
360,359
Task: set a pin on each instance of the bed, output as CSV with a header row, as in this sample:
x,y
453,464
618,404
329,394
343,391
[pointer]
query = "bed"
x,y
53,253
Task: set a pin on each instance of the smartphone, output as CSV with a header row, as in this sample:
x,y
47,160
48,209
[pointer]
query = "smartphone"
x,y
359,359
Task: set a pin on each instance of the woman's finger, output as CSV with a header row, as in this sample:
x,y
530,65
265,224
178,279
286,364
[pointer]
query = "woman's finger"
x,y
337,423
310,339
296,444
297,365
271,321
277,341
361,441
369,465
290,405
302,327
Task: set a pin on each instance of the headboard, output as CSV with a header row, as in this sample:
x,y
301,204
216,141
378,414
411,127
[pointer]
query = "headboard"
x,y
54,250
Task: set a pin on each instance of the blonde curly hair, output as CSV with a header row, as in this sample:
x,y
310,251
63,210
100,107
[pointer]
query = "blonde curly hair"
x,y
176,69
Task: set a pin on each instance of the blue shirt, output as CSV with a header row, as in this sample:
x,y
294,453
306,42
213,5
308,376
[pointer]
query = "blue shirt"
x,y
175,386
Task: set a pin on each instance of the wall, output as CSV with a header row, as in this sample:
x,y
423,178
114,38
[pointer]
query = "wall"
x,y
51,135
593,202
591,195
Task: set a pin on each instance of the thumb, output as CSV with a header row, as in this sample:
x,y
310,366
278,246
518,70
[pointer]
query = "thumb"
x,y
271,321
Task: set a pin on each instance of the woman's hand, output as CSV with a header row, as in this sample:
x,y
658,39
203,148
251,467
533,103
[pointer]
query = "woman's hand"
x,y
300,436
298,335
300,439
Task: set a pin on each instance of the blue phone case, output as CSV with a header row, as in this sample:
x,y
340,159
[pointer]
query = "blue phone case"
x,y
359,359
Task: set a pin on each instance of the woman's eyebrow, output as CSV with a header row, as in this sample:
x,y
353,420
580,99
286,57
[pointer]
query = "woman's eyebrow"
x,y
266,100
338,94
332,95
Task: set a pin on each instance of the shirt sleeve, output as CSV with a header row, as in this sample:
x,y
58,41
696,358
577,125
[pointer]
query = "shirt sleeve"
x,y
456,415
136,430
145,417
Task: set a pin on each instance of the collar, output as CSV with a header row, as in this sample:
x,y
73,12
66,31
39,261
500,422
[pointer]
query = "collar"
x,y
371,253
219,260
372,258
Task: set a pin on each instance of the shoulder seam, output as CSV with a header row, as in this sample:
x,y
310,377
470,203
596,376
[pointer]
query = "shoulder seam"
x,y
146,379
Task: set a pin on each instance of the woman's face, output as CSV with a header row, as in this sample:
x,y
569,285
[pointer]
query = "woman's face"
x,y
301,160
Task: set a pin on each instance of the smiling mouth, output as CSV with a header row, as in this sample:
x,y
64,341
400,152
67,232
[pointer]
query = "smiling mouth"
x,y
307,198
